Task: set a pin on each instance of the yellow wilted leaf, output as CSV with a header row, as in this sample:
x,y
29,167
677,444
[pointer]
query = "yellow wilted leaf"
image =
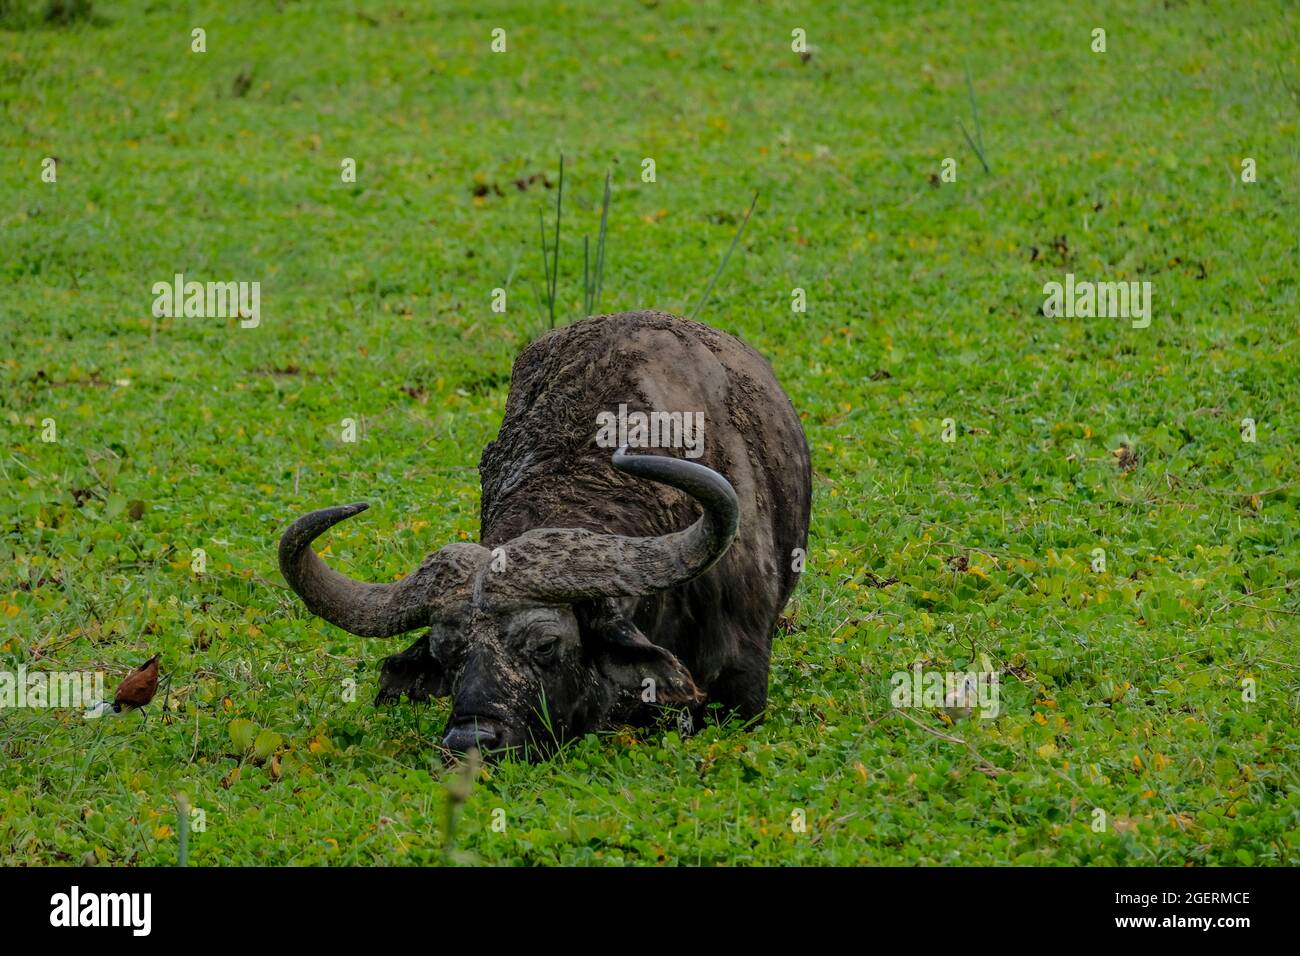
x,y
162,832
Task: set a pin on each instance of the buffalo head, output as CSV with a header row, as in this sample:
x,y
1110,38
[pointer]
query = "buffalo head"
x,y
532,641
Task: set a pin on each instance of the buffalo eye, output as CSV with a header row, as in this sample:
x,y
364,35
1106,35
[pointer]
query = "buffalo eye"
x,y
545,648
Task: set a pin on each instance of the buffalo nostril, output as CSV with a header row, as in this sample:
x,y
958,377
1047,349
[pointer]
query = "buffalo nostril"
x,y
465,736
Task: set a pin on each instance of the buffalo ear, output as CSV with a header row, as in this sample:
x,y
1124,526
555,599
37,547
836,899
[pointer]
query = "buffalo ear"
x,y
627,658
414,672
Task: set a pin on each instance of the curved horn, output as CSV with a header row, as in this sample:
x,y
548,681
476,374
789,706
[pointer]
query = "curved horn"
x,y
370,610
705,542
569,564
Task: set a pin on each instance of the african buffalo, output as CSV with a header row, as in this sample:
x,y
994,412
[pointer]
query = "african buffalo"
x,y
606,586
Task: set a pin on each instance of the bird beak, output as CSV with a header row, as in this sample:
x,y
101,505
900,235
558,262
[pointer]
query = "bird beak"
x,y
98,710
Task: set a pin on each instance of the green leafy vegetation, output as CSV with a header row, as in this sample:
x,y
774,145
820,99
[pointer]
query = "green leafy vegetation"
x,y
1122,690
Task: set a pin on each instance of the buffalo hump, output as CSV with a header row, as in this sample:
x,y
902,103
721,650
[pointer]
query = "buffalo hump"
x,y
546,469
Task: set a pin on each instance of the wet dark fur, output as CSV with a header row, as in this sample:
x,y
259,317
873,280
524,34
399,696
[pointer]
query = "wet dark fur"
x,y
545,470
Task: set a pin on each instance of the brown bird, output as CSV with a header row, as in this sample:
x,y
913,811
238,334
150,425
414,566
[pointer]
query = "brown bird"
x,y
138,687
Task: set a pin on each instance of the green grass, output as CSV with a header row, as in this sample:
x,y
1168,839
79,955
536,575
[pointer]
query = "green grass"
x,y
1122,690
